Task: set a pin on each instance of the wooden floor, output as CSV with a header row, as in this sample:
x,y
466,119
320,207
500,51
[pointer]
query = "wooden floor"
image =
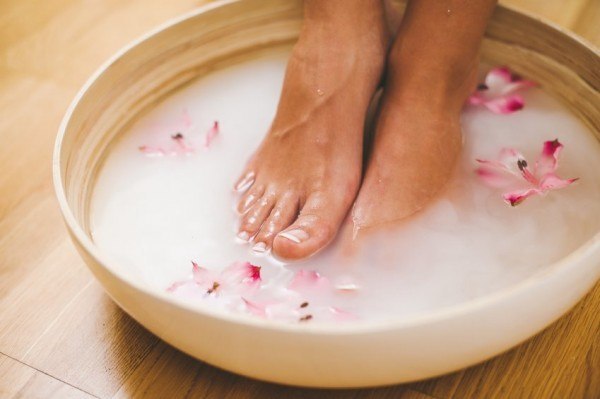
x,y
61,336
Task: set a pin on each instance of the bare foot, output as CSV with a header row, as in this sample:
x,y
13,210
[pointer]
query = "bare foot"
x,y
300,183
417,143
418,135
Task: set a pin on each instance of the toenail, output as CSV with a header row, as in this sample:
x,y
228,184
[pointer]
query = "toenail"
x,y
296,235
245,183
260,247
244,236
247,202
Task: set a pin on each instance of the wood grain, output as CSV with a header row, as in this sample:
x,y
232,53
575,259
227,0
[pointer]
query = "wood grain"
x,y
61,336
22,381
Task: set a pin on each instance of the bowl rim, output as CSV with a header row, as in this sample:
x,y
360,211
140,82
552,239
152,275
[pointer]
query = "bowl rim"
x,y
588,249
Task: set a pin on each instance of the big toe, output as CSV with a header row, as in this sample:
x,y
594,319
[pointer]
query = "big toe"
x,y
316,227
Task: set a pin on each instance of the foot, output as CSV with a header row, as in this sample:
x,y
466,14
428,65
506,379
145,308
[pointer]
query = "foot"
x,y
417,140
299,185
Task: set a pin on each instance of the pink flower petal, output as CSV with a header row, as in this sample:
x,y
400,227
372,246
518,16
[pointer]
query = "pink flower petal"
x,y
200,274
509,169
495,174
510,156
211,134
308,297
206,279
231,288
176,130
182,146
173,287
476,99
308,280
497,93
494,179
186,289
255,308
505,105
516,86
553,182
498,77
511,164
501,81
515,162
548,161
186,119
516,197
183,123
242,272
151,151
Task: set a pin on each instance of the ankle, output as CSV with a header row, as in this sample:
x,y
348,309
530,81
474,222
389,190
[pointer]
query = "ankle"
x,y
354,13
432,79
345,26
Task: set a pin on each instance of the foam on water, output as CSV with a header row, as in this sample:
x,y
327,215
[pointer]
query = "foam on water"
x,y
152,215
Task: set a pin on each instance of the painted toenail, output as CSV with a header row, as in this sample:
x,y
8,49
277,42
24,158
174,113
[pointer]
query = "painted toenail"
x,y
247,202
244,236
296,235
245,183
260,247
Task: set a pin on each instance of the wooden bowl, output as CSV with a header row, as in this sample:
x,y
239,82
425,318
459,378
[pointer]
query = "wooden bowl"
x,y
351,355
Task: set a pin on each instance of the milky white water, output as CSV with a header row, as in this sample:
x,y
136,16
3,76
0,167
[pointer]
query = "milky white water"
x,y
153,215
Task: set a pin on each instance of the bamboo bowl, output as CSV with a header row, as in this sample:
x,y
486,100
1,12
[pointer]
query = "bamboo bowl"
x,y
351,355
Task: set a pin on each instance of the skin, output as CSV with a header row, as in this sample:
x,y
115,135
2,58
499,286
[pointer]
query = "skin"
x,y
432,69
302,181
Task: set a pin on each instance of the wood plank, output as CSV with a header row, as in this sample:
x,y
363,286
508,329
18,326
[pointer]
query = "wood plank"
x,y
167,372
92,345
552,365
588,22
440,387
74,42
21,381
31,112
13,25
106,353
39,281
561,362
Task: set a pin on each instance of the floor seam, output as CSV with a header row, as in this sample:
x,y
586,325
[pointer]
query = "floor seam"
x,y
49,375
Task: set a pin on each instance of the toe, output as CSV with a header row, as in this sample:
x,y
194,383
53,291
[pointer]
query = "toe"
x,y
254,218
244,182
250,198
316,226
282,215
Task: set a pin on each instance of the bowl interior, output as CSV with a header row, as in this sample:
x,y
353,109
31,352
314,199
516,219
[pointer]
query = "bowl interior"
x,y
218,36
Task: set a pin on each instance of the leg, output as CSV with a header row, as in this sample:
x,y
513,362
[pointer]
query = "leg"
x,y
431,70
305,174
